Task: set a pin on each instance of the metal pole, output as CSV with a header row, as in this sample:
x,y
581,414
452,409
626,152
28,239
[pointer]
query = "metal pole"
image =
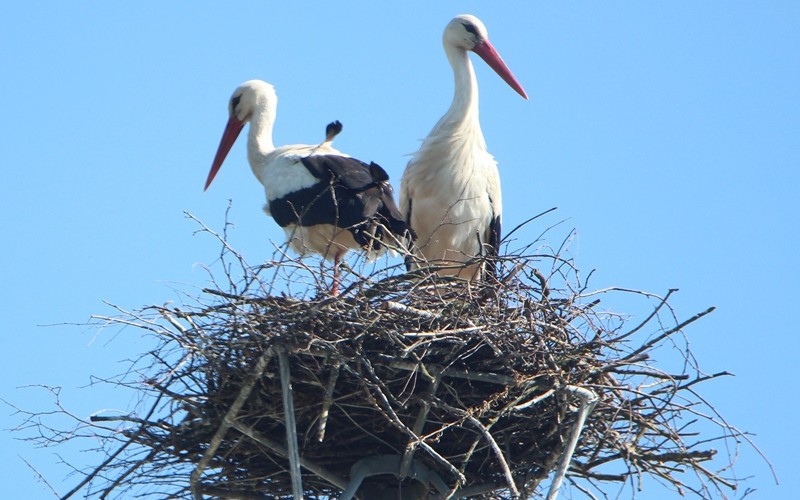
x,y
291,425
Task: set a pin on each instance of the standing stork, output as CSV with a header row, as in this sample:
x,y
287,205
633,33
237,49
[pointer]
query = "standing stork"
x,y
326,201
450,191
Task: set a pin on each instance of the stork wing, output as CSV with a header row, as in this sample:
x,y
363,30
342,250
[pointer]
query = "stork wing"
x,y
351,194
344,170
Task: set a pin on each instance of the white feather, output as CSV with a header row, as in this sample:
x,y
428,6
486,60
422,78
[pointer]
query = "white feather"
x,y
281,171
452,184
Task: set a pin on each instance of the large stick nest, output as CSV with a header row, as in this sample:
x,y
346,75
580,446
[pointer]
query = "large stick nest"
x,y
470,381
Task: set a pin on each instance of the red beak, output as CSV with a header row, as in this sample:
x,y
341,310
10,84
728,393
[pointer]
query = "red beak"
x,y
493,59
232,130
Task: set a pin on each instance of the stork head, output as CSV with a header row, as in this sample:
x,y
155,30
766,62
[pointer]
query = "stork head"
x,y
251,97
467,32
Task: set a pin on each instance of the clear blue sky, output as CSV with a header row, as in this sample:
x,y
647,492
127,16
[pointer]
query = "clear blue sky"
x,y
666,133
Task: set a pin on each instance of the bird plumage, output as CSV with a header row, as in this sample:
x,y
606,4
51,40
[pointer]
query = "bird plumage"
x,y
348,194
326,201
450,191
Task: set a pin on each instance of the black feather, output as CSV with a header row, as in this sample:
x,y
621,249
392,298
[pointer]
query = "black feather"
x,y
378,173
493,245
350,194
410,262
333,129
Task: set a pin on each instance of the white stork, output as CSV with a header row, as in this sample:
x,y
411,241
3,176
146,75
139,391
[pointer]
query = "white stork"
x,y
325,201
450,191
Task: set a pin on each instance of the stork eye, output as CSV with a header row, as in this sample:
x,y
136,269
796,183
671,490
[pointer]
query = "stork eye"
x,y
235,102
470,28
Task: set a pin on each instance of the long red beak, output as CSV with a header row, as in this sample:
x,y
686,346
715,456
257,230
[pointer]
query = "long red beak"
x,y
232,130
493,59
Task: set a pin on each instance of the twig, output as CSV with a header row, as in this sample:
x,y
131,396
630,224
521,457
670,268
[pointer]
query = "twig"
x,y
404,309
657,339
531,219
112,456
327,400
498,454
493,378
419,425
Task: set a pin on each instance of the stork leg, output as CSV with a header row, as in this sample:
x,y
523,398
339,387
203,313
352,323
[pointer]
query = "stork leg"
x,y
323,272
335,286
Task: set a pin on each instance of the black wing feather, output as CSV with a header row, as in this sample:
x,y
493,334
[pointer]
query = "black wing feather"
x,y
494,237
350,194
410,262
493,250
348,172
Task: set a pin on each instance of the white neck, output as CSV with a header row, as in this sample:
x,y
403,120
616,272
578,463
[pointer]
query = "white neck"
x,y
464,108
259,138
460,123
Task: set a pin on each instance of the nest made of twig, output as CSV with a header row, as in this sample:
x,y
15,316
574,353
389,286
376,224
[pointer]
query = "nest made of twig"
x,y
471,381
468,378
